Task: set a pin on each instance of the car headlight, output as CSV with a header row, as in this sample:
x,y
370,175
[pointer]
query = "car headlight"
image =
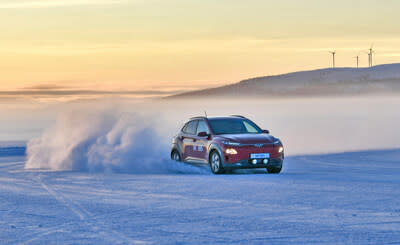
x,y
225,142
231,151
280,149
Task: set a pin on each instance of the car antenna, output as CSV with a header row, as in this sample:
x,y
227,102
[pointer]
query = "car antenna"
x,y
205,113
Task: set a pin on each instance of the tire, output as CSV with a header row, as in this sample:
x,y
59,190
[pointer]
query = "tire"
x,y
176,156
216,163
274,170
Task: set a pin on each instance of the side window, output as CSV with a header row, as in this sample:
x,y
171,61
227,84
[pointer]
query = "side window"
x,y
190,127
202,127
184,129
250,128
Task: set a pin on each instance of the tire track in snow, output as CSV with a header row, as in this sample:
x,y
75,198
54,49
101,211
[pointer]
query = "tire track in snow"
x,y
61,199
44,233
10,165
84,215
324,163
78,211
59,228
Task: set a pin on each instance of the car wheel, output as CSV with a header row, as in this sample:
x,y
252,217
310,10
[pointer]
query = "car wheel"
x,y
274,170
216,163
176,156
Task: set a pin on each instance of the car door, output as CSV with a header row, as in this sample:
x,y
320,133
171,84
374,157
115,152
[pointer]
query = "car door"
x,y
201,143
188,139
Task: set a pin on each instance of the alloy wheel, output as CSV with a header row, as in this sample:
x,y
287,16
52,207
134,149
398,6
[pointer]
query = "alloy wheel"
x,y
215,162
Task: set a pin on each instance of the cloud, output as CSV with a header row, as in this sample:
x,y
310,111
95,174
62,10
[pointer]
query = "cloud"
x,y
55,91
56,3
46,87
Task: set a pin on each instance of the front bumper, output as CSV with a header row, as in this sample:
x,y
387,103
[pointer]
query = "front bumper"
x,y
243,164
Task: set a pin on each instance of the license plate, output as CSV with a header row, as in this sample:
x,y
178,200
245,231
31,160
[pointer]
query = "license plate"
x,y
259,155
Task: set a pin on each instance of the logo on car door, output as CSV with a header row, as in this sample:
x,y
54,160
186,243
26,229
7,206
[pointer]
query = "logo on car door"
x,y
197,148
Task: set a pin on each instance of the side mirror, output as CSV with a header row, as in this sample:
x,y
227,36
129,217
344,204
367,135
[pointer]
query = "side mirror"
x,y
202,134
265,131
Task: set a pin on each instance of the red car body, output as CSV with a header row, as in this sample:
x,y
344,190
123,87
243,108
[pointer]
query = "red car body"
x,y
235,141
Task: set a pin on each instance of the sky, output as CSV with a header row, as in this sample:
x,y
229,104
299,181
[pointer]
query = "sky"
x,y
57,47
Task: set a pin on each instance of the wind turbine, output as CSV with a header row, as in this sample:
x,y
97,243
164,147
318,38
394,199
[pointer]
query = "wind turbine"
x,y
333,56
371,51
357,57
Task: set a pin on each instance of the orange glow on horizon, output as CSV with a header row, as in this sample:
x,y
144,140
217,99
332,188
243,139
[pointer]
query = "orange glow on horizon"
x,y
145,45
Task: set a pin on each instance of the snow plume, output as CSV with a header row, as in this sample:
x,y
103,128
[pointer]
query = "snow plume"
x,y
104,141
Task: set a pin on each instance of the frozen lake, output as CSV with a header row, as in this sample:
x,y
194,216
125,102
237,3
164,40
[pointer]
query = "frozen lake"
x,y
345,198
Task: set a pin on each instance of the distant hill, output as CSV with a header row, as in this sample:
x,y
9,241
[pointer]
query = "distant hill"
x,y
333,81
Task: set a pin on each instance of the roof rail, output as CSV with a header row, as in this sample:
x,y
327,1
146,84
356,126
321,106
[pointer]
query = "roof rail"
x,y
199,117
238,116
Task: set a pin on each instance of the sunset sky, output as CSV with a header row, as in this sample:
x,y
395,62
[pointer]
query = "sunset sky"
x,y
160,45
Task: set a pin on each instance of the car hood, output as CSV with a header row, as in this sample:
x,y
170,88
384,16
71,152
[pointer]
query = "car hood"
x,y
249,138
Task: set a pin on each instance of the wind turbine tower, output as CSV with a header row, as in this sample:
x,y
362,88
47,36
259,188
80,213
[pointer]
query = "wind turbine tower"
x,y
333,57
369,60
371,51
357,58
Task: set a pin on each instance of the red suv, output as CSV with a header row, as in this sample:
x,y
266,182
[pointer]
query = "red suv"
x,y
226,143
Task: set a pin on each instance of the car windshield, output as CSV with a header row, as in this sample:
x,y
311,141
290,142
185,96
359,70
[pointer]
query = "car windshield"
x,y
233,126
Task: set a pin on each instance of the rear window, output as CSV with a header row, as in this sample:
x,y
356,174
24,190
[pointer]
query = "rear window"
x,y
190,127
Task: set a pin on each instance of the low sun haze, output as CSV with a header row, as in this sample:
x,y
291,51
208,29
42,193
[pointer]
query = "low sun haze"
x,y
177,45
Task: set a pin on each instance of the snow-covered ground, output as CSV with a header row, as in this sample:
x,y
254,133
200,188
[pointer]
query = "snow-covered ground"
x,y
345,198
97,172
379,79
